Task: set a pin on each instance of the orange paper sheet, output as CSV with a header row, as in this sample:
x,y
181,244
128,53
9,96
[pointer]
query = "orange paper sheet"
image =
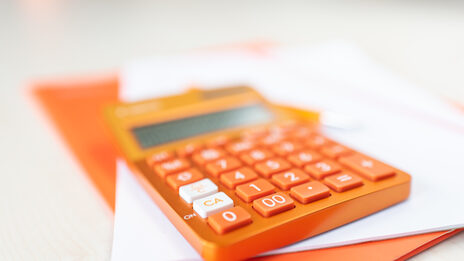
x,y
75,108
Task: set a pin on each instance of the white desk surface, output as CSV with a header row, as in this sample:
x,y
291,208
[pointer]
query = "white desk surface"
x,y
50,211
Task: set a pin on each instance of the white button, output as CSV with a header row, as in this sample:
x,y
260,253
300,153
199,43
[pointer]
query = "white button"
x,y
213,204
196,190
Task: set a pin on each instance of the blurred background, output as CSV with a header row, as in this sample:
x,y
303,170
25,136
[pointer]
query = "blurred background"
x,y
47,204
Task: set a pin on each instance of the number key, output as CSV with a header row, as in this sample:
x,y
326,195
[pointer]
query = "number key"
x,y
289,178
229,220
236,177
223,165
273,204
272,166
253,190
256,155
322,169
304,157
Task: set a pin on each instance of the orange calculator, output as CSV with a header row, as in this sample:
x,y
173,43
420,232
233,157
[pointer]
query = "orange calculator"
x,y
238,175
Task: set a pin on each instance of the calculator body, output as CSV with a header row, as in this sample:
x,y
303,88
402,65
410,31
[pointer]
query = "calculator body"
x,y
182,126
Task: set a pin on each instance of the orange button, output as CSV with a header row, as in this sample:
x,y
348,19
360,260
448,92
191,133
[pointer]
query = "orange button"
x,y
310,192
271,139
302,132
159,157
255,155
218,141
239,147
322,169
255,189
229,220
183,178
317,141
286,147
287,179
236,177
189,149
207,155
223,165
371,169
343,181
272,166
304,157
334,151
254,133
285,127
171,166
273,204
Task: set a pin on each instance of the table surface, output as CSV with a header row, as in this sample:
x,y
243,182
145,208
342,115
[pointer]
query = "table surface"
x,y
49,206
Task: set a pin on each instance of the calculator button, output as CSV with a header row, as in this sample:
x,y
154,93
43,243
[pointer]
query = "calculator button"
x,y
256,155
317,141
254,133
287,179
343,181
218,141
239,147
272,166
367,167
302,133
183,178
272,139
273,204
304,157
197,190
236,177
207,155
229,220
188,150
285,127
159,157
223,165
213,204
286,147
335,151
171,166
322,169
253,190
310,192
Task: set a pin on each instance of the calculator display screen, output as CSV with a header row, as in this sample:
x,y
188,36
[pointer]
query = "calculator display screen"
x,y
159,133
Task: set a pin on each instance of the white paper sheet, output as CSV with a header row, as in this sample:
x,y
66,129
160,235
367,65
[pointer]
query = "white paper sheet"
x,y
401,125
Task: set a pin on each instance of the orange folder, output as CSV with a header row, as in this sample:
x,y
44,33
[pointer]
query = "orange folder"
x,y
75,108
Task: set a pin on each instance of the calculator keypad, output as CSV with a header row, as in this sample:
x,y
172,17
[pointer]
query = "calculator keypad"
x,y
271,170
